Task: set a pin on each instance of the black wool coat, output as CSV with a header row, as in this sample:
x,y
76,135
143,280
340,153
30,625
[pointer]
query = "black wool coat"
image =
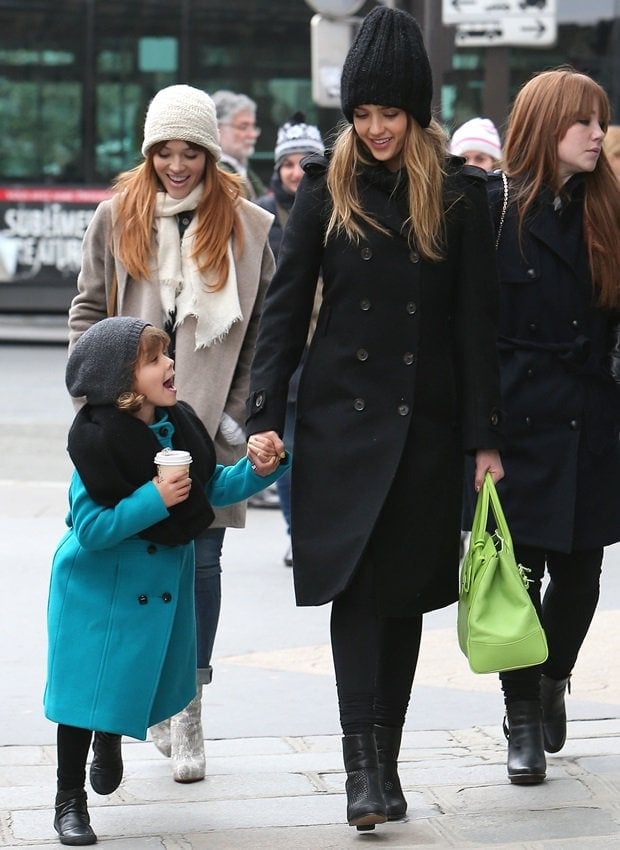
x,y
561,490
400,381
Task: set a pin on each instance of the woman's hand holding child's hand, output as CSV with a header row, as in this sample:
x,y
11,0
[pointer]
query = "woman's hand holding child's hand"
x,y
173,489
265,451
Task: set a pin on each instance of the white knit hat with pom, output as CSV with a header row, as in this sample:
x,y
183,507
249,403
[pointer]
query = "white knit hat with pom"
x,y
185,113
477,134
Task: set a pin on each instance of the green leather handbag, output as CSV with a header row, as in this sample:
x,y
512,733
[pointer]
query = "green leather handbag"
x,y
498,627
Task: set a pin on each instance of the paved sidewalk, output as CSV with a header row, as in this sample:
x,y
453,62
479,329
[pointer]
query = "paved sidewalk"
x,y
275,778
285,793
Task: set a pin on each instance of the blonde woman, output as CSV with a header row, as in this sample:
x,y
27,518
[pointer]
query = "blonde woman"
x,y
400,382
179,247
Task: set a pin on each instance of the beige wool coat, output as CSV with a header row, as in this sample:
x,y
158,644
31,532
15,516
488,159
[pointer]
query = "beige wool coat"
x,y
213,379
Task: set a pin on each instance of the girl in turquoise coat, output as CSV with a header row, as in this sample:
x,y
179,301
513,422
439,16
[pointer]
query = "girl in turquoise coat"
x,y
121,622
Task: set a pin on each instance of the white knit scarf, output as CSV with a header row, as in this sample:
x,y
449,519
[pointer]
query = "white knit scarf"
x,y
183,288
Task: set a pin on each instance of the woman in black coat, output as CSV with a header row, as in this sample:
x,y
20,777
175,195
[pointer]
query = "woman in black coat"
x,y
558,255
401,381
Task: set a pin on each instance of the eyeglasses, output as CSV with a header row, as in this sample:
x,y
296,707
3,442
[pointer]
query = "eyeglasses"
x,y
245,127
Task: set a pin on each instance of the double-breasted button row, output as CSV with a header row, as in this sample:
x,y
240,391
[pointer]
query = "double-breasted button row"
x,y
165,597
402,408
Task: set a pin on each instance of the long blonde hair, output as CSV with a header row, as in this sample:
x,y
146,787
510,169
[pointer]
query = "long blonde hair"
x,y
423,156
544,109
217,218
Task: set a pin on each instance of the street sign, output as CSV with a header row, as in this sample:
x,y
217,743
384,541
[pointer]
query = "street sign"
x,y
465,11
525,31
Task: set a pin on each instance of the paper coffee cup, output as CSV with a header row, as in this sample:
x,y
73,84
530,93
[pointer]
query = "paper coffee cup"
x,y
169,461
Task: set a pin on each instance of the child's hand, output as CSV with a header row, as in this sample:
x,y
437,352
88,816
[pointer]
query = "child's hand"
x,y
265,450
174,489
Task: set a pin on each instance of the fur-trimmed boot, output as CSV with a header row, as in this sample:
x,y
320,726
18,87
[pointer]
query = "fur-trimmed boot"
x,y
160,733
554,712
388,740
187,742
71,819
365,805
526,754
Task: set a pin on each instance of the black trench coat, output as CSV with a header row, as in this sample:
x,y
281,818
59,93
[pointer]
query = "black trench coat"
x,y
562,456
400,381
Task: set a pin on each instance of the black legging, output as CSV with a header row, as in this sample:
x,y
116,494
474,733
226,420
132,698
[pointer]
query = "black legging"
x,y
72,745
566,612
375,658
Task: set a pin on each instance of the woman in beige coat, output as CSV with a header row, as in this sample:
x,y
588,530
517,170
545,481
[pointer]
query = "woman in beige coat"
x,y
178,246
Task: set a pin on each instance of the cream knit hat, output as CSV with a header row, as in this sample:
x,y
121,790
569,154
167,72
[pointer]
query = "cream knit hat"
x,y
477,134
182,112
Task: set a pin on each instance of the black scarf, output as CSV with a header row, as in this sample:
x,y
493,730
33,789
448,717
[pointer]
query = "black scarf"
x,y
114,452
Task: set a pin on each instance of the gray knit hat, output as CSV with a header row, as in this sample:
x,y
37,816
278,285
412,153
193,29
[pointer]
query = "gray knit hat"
x,y
182,112
297,137
100,366
387,65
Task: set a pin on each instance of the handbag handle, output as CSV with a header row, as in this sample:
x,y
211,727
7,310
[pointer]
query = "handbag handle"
x,y
488,496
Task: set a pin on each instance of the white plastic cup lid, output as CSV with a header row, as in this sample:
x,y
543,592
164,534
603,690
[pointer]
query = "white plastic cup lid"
x,y
172,457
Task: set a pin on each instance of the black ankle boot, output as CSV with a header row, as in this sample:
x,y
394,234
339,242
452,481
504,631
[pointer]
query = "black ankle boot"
x,y
106,770
526,754
388,746
71,820
365,805
553,712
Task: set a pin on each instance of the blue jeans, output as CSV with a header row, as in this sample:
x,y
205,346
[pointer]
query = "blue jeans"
x,y
208,597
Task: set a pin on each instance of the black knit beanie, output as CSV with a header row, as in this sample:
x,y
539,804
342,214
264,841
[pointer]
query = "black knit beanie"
x,y
100,366
387,65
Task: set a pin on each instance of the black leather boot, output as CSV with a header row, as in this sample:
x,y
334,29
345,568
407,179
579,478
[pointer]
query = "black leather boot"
x,y
365,805
553,712
388,746
106,770
526,754
71,821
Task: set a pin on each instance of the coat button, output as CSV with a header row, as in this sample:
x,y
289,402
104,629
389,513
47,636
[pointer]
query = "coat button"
x,y
530,373
143,599
164,431
528,421
151,549
366,253
574,324
359,404
533,327
167,597
403,409
531,273
259,400
411,307
414,256
494,418
408,358
365,304
573,425
362,354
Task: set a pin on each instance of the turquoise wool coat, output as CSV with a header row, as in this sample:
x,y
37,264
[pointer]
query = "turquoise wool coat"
x,y
121,623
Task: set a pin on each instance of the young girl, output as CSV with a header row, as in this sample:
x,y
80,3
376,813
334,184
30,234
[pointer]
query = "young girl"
x,y
121,626
401,380
177,246
558,258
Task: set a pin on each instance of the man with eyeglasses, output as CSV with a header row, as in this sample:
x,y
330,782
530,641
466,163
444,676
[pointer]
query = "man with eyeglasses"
x,y
236,116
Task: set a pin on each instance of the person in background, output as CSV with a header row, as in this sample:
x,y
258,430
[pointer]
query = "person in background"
x,y
558,258
121,629
611,146
178,246
236,119
295,140
401,381
478,142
